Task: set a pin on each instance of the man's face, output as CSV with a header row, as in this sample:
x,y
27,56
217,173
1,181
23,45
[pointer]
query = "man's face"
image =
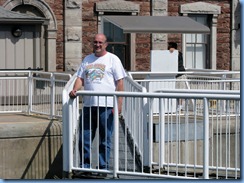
x,y
99,45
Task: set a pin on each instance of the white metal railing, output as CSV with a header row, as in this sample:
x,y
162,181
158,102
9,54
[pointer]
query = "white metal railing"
x,y
32,92
200,79
192,80
132,124
70,124
175,144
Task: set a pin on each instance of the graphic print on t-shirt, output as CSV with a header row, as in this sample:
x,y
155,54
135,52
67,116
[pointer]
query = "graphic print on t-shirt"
x,y
95,72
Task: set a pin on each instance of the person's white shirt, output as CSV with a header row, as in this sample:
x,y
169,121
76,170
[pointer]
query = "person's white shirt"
x,y
100,74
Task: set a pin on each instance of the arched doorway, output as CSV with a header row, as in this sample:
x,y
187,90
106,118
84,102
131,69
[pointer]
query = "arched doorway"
x,y
42,37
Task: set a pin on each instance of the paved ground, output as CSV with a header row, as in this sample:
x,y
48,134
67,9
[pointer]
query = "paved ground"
x,y
21,118
29,125
30,147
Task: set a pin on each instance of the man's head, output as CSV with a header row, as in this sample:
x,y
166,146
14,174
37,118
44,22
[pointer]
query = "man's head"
x,y
100,44
172,46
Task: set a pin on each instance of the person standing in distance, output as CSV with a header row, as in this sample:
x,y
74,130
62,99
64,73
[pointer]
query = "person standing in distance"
x,y
180,85
171,47
99,71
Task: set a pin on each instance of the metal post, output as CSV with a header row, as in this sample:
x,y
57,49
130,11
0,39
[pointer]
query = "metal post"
x,y
161,134
116,137
145,130
70,132
206,140
52,95
150,138
30,88
65,127
223,86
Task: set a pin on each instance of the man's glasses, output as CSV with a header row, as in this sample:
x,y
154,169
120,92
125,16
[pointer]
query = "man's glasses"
x,y
98,42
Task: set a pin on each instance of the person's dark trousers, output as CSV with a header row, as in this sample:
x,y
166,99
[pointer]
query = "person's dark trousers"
x,y
93,118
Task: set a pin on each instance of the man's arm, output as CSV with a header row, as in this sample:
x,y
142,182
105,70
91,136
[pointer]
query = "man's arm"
x,y
120,87
77,86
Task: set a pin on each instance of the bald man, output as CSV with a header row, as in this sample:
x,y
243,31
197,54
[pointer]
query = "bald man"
x,y
99,71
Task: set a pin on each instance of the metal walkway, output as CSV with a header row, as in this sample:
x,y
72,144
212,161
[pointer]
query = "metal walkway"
x,y
126,154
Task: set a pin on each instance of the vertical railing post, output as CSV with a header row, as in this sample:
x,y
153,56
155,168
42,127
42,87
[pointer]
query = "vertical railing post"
x,y
222,102
206,140
76,127
162,129
145,149
67,134
52,77
68,106
223,78
150,134
30,89
116,137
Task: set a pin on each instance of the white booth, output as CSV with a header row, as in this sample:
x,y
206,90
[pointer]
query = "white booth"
x,y
166,63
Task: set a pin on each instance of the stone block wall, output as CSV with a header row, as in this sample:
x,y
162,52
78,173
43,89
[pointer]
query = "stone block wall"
x,y
31,150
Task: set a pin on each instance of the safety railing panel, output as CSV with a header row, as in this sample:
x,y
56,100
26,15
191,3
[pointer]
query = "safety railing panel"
x,y
182,144
14,89
207,80
224,80
47,91
175,144
136,105
13,92
32,92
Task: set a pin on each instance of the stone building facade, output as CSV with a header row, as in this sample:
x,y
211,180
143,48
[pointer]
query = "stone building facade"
x,y
67,38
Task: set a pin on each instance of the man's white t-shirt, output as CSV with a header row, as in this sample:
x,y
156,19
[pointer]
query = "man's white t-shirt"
x,y
100,74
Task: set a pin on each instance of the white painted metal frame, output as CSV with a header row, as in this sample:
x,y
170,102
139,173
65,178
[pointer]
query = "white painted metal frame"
x,y
68,154
32,92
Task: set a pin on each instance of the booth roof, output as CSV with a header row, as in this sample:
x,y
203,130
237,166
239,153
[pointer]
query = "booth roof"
x,y
157,24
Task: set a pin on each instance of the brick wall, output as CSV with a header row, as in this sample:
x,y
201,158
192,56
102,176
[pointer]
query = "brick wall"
x,y
89,26
90,29
57,6
223,29
224,36
143,40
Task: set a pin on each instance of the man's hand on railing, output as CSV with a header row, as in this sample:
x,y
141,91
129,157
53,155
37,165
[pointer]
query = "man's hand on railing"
x,y
72,94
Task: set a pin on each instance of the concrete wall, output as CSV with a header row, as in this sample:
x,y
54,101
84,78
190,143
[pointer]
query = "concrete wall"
x,y
30,150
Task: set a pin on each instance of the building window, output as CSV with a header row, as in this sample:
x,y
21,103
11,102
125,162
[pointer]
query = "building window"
x,y
197,47
207,14
118,43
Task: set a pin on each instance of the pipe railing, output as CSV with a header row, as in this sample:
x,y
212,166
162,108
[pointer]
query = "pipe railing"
x,y
162,163
28,91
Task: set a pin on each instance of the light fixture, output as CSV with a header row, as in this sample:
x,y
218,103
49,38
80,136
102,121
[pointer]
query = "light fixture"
x,y
16,32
